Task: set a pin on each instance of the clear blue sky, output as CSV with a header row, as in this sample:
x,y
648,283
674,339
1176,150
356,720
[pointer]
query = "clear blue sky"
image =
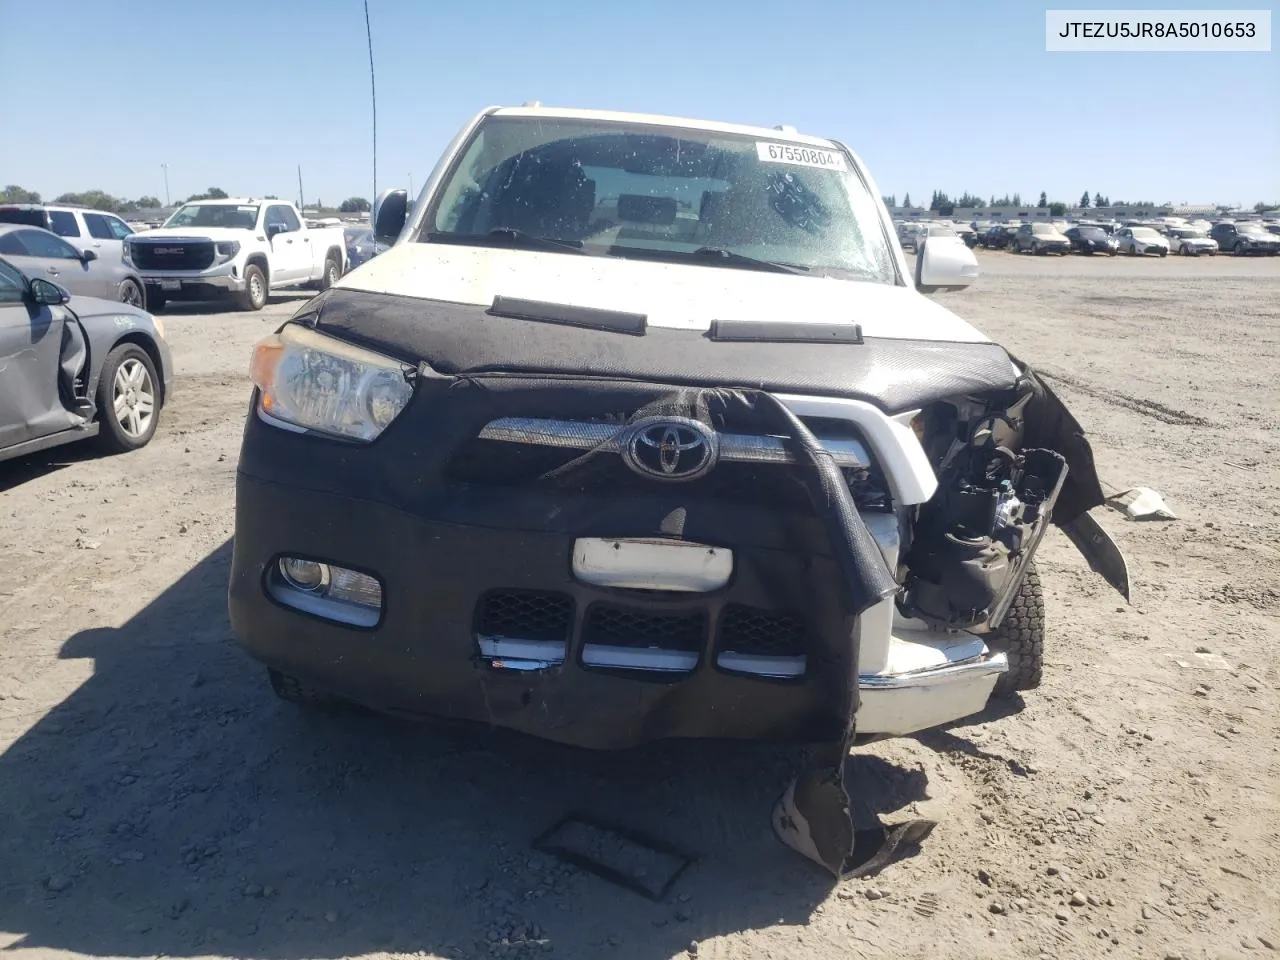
x,y
946,95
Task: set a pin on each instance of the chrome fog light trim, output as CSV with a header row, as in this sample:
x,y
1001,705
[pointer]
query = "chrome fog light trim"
x,y
326,591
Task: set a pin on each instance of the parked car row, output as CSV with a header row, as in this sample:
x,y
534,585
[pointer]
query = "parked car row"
x,y
1240,238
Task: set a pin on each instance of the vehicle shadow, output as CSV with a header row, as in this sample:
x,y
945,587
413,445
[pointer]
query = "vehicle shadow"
x,y
171,806
179,308
20,470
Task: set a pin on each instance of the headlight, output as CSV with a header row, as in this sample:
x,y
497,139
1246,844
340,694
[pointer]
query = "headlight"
x,y
316,383
226,249
126,252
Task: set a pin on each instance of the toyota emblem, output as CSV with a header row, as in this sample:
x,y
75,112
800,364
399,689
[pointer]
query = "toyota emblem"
x,y
670,448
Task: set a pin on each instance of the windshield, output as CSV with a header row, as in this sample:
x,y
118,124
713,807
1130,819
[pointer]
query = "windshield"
x,y
1250,228
1145,233
1186,234
1092,233
635,190
1042,229
238,216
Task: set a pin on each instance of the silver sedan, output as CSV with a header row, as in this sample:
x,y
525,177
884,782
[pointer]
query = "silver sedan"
x,y
39,253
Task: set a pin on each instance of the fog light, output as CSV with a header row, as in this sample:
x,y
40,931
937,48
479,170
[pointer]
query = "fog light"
x,y
304,574
328,591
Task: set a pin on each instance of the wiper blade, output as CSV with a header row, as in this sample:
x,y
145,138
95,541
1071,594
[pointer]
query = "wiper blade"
x,y
511,237
730,258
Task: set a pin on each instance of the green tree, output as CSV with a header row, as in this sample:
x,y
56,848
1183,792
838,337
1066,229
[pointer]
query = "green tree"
x,y
968,199
213,193
1264,207
94,200
1017,200
906,199
890,201
147,203
1057,209
1044,199
941,203
1084,200
359,205
1099,200
16,194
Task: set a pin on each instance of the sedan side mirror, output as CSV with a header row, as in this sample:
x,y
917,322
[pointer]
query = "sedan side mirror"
x,y
390,210
944,263
87,255
46,293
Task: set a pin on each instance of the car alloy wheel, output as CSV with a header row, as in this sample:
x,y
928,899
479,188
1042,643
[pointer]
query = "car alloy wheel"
x,y
133,398
131,293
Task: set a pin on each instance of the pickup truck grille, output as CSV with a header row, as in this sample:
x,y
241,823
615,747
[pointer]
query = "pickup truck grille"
x,y
172,255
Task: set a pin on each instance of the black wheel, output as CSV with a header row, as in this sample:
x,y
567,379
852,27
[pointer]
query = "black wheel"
x,y
128,399
294,690
332,273
254,296
1164,253
1021,638
130,292
1240,249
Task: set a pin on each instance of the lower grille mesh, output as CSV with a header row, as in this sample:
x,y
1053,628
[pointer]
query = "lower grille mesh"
x,y
623,627
760,632
526,615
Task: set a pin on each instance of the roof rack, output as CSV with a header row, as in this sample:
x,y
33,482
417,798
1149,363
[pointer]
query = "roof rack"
x,y
532,103
784,128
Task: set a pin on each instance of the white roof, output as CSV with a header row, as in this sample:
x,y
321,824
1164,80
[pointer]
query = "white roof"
x,y
568,113
231,201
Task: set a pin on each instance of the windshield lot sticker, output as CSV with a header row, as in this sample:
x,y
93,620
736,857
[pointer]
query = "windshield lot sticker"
x,y
800,156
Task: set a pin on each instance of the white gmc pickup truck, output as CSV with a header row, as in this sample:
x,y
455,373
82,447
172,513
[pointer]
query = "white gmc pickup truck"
x,y
210,249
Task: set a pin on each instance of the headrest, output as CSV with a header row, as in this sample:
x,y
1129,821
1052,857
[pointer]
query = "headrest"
x,y
637,208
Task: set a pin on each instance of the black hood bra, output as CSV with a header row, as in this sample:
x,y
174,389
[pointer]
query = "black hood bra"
x,y
465,340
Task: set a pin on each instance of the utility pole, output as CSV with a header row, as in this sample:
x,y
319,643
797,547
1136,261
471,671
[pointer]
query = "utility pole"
x,y
165,168
302,203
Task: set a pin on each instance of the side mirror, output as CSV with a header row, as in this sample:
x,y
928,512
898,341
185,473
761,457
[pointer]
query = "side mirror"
x,y
47,293
275,229
944,263
87,255
390,210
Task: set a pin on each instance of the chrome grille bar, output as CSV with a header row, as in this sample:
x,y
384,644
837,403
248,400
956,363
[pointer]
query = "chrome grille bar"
x,y
734,447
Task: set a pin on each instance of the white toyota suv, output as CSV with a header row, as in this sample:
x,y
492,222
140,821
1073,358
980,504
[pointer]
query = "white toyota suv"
x,y
643,428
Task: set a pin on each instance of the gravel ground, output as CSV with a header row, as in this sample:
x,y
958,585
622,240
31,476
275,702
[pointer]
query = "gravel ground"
x,y
158,801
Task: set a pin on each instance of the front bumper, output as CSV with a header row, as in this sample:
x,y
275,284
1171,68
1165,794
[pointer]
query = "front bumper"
x,y
424,656
220,281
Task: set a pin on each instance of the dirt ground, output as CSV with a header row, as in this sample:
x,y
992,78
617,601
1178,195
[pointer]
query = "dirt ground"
x,y
157,800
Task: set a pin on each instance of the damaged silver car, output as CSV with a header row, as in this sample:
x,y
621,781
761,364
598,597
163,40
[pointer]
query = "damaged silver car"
x,y
641,429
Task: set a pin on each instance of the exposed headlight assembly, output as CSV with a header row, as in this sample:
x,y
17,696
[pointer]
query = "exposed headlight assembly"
x,y
309,382
226,250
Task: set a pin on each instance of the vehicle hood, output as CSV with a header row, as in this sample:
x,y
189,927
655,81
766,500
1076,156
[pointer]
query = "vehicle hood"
x,y
672,296
1054,237
194,233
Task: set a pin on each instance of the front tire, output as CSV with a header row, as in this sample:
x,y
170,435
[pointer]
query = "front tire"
x,y
128,399
1021,638
255,292
130,292
1240,250
332,273
293,690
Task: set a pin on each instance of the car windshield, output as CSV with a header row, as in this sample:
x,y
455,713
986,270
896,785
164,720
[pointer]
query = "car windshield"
x,y
239,216
624,189
1145,233
1188,234
1042,229
1250,228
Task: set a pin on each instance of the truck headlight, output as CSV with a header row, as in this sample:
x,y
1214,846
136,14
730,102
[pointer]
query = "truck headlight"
x,y
226,250
126,252
316,383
